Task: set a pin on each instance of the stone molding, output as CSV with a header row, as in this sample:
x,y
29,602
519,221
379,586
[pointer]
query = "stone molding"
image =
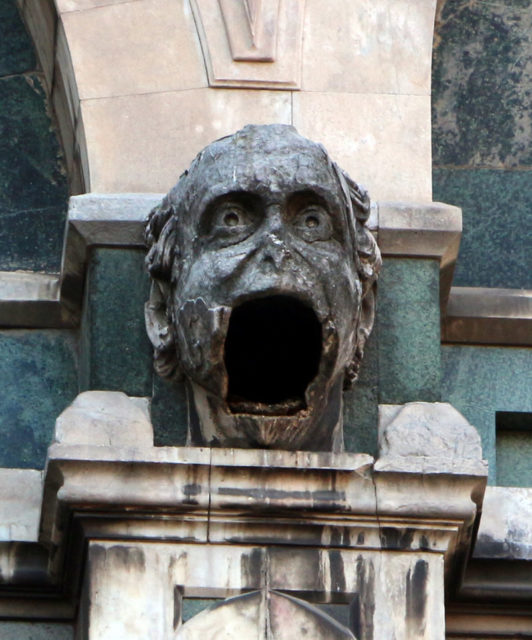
x,y
245,50
469,315
488,316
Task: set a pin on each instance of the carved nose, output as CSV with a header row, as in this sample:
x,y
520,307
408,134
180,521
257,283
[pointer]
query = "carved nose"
x,y
275,252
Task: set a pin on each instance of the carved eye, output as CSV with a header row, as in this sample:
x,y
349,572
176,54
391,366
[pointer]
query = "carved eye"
x,y
230,221
231,218
313,223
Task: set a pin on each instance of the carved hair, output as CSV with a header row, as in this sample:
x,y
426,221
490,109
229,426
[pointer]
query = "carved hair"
x,y
163,264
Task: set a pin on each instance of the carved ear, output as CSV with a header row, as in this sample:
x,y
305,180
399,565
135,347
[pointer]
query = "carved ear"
x,y
161,333
161,239
365,326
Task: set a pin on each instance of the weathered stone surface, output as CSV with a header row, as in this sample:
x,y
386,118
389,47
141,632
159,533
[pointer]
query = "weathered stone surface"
x,y
346,45
388,130
131,587
155,49
20,504
268,317
105,418
204,114
423,429
506,524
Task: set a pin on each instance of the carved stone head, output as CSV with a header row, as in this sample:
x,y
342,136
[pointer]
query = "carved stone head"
x,y
263,277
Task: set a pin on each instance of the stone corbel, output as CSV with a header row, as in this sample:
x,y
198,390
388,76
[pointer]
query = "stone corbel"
x,y
407,519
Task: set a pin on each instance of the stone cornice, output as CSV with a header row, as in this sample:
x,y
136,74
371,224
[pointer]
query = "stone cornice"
x,y
470,315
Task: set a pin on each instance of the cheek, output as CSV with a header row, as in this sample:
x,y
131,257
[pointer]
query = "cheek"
x,y
207,274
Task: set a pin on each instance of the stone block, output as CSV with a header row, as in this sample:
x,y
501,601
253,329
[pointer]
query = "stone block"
x,y
433,435
38,377
153,46
368,46
496,246
20,504
16,49
161,133
506,524
378,139
105,418
115,351
408,321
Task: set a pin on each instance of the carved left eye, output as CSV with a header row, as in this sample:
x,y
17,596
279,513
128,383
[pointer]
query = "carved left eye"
x,y
313,223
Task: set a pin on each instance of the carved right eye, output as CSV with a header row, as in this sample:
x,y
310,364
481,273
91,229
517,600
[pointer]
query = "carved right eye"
x,y
231,222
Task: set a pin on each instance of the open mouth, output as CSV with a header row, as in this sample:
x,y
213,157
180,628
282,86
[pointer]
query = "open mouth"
x,y
272,353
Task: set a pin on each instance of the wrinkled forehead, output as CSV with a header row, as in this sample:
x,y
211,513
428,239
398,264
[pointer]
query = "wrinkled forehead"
x,y
265,162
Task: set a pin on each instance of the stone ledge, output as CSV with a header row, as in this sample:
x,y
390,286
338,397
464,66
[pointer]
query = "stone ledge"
x,y
20,504
505,530
488,316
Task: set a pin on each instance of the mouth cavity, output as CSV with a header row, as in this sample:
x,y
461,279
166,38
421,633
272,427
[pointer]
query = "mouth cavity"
x,y
272,353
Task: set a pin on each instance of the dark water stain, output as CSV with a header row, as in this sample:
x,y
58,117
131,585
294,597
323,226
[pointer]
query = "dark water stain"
x,y
392,538
251,568
416,597
365,572
336,565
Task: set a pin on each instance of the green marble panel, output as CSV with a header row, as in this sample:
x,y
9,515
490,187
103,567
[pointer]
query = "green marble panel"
x,y
496,246
408,320
514,458
169,413
481,79
480,381
361,403
33,185
36,631
115,350
193,606
38,378
16,48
